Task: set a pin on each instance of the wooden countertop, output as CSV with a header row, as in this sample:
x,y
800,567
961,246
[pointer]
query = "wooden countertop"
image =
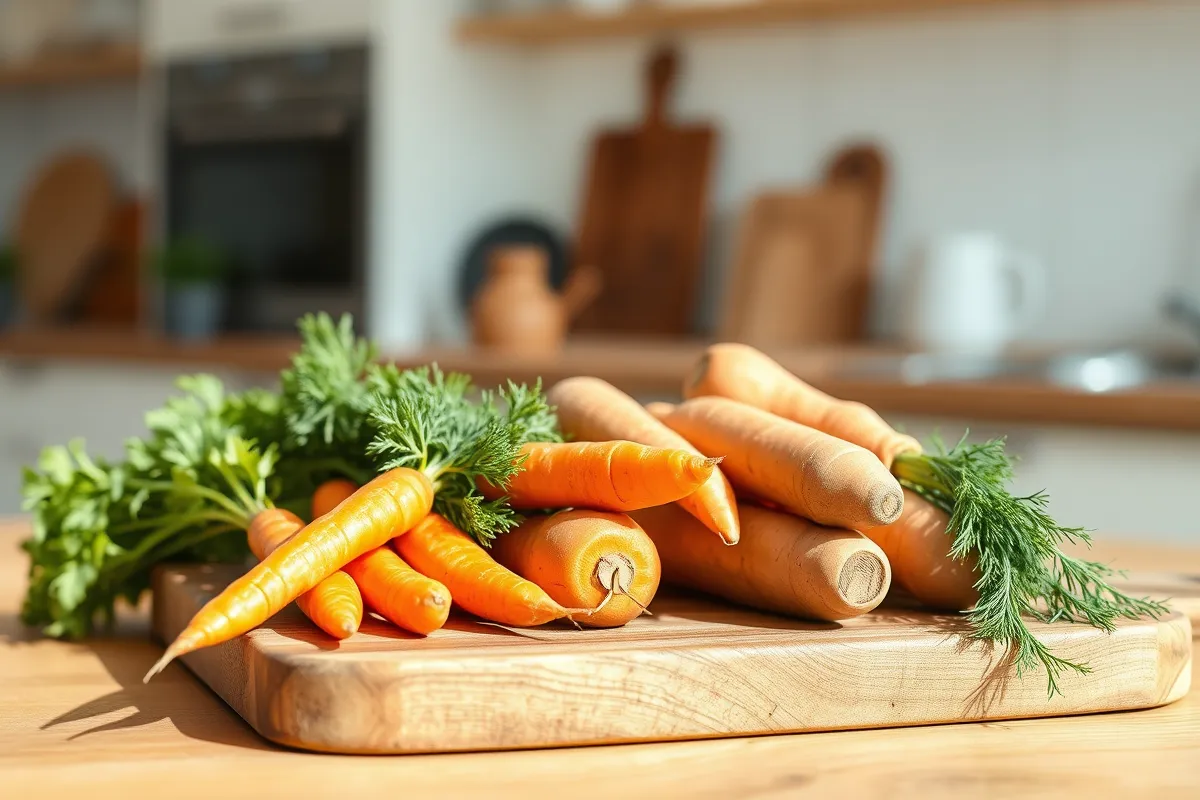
x,y
76,721
656,368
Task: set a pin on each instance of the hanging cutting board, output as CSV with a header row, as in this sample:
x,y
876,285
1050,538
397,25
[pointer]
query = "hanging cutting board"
x,y
112,291
797,275
803,264
643,216
62,226
861,168
696,669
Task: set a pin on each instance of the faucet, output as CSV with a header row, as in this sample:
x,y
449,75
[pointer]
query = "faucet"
x,y
1185,310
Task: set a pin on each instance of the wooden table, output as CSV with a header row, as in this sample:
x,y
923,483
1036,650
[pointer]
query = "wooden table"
x,y
76,721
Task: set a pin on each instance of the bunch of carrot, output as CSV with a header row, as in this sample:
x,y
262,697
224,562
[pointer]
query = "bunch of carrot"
x,y
644,491
380,546
757,487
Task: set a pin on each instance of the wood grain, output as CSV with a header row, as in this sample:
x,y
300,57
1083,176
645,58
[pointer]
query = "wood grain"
x,y
76,721
642,224
726,672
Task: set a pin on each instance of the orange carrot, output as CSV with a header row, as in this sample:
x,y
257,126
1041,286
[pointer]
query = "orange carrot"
x,y
395,590
803,470
330,494
476,582
741,373
918,546
593,559
399,593
611,476
590,409
783,563
387,506
334,604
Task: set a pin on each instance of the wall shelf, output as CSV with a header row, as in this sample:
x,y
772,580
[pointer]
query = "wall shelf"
x,y
117,62
640,19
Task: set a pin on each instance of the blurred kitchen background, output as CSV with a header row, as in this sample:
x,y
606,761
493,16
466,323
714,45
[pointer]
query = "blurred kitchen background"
x,y
967,213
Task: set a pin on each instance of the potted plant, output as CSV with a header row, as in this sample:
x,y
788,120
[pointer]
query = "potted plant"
x,y
193,273
8,289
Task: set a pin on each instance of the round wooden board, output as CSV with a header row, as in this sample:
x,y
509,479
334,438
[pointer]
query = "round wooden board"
x,y
63,222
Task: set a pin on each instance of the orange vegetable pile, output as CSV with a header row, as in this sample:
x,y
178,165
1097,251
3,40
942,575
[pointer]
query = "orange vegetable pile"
x,y
427,495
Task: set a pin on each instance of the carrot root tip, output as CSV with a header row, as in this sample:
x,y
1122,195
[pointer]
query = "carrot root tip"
x,y
184,644
161,664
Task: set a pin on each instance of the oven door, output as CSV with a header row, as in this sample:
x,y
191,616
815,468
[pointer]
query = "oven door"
x,y
281,191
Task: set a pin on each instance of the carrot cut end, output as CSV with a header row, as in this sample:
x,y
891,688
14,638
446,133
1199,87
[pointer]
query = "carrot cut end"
x,y
887,504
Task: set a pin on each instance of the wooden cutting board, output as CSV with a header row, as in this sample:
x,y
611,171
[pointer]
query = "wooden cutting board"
x,y
798,276
696,669
802,270
643,217
1180,591
64,220
112,291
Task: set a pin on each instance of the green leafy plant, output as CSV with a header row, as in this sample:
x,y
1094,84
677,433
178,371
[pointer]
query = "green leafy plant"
x,y
212,460
1022,571
184,493
191,260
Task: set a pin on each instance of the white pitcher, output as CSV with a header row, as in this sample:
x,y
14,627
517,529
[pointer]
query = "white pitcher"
x,y
972,294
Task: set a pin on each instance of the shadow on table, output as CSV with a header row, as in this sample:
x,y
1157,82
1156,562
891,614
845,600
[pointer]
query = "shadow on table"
x,y
175,695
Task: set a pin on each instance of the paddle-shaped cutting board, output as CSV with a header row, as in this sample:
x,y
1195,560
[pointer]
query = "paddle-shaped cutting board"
x,y
643,217
696,669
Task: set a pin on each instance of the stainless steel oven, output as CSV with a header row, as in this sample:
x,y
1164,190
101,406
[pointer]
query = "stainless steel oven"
x,y
266,160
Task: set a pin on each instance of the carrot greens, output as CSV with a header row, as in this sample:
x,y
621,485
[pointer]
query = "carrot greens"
x,y
213,459
1016,544
180,493
424,420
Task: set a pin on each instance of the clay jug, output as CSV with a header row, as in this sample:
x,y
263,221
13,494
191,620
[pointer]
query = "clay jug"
x,y
516,310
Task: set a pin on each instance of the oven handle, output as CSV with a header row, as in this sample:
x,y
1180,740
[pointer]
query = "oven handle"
x,y
214,128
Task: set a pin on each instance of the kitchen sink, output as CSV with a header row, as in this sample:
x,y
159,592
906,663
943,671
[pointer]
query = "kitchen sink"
x,y
1090,371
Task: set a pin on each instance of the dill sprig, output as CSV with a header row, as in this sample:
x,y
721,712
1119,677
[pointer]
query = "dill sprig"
x,y
1015,542
424,419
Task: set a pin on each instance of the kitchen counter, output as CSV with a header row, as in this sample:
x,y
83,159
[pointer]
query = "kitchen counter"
x,y
655,368
76,721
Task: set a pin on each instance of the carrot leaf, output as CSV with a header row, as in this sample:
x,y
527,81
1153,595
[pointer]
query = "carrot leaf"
x,y
324,394
425,420
1015,541
179,493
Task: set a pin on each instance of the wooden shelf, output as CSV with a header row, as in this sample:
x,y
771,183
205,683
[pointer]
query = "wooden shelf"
x,y
650,368
642,19
118,62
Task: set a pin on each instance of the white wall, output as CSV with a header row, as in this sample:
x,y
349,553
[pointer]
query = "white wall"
x,y
1070,129
453,146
